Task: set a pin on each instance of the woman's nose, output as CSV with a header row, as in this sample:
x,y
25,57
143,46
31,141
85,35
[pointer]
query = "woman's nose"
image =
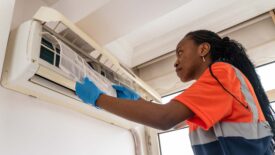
x,y
176,64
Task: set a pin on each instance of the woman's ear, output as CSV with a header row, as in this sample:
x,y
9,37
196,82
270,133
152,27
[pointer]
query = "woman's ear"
x,y
204,49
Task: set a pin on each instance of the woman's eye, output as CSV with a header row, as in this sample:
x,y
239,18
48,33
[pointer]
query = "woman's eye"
x,y
179,53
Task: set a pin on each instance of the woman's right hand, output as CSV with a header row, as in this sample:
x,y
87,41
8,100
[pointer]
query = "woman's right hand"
x,y
88,91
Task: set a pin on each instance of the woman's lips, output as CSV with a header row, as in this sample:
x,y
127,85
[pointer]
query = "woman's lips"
x,y
178,70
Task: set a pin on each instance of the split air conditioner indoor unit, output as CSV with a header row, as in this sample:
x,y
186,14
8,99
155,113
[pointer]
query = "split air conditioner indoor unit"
x,y
48,54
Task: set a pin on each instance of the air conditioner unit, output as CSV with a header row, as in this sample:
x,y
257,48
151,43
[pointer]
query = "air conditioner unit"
x,y
48,54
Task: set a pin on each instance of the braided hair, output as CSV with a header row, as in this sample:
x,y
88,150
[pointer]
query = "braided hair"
x,y
232,52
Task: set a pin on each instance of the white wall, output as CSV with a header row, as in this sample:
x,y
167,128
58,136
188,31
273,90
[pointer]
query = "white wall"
x,y
29,126
24,10
6,10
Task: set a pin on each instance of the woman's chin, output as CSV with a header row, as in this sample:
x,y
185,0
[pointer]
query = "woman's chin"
x,y
183,79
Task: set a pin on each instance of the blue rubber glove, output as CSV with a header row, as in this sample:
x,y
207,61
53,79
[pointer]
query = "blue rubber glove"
x,y
88,91
125,93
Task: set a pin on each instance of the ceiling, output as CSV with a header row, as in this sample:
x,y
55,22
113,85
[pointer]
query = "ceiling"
x,y
50,2
137,31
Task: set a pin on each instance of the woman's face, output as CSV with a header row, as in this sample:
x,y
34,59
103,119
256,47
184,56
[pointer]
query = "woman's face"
x,y
189,60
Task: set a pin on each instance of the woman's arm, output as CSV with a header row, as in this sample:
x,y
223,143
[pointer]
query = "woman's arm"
x,y
160,116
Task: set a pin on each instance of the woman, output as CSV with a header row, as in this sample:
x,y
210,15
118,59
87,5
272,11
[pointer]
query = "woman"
x,y
226,108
